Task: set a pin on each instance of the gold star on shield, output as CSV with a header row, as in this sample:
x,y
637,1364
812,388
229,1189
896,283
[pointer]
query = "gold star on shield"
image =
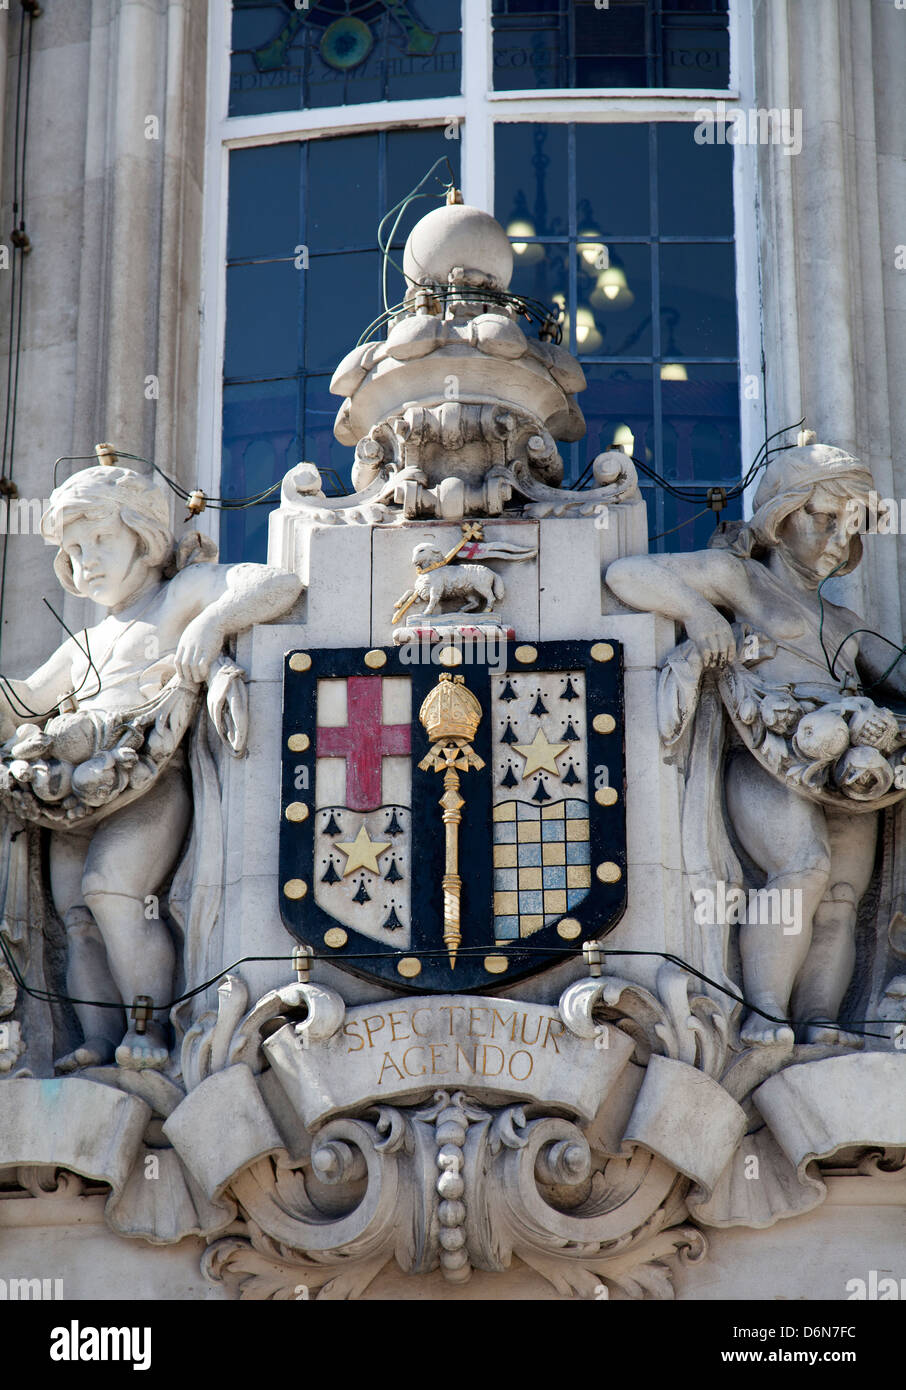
x,y
540,755
363,852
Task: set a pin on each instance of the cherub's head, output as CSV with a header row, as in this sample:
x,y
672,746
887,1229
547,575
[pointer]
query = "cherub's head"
x,y
113,529
804,507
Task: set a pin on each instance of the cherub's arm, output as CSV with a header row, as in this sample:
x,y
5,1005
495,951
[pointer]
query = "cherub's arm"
x,y
225,599
688,589
40,692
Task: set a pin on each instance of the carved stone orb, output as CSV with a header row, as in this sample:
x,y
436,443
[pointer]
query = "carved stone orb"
x,y
455,236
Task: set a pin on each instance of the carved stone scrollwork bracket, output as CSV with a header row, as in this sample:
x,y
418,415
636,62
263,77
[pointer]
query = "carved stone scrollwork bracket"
x,y
466,1183
395,475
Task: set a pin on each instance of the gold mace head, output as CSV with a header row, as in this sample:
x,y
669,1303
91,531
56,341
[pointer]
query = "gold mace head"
x,y
450,710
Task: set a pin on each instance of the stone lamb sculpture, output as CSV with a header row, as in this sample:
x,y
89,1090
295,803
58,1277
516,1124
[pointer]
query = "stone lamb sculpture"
x,y
792,759
436,582
440,580
108,776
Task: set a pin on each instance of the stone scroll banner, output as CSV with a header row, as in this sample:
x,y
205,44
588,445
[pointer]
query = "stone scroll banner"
x,y
403,1051
92,1130
817,1108
408,1048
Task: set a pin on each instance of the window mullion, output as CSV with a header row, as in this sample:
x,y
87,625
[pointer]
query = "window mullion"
x,y
477,158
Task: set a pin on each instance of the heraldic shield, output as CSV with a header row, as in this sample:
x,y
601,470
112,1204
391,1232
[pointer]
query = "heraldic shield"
x,y
458,826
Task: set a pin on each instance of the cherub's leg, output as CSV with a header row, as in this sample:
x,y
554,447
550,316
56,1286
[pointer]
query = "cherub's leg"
x,y
828,967
787,837
87,972
131,855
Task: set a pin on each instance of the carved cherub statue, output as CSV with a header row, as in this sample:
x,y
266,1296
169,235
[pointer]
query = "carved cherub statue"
x,y
108,774
809,758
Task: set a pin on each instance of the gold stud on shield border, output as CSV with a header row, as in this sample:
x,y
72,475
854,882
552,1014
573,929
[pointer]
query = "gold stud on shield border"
x,y
495,965
297,743
295,888
606,796
296,811
568,928
608,872
526,654
335,937
602,651
450,656
299,661
375,659
603,723
409,967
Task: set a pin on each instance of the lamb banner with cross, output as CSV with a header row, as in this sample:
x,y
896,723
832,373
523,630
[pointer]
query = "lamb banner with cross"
x,y
370,868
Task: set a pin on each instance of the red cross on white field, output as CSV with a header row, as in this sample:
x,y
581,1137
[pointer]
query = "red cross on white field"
x,y
363,741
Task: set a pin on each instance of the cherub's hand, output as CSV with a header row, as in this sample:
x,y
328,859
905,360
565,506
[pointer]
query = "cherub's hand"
x,y
199,645
712,637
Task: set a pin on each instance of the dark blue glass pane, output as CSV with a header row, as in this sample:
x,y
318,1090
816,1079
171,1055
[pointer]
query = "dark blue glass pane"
x,y
700,422
410,154
689,525
613,314
612,179
526,52
260,444
532,179
267,62
264,202
695,52
342,298
610,46
342,193
625,43
423,53
541,272
698,301
695,184
263,307
618,405
320,446
340,52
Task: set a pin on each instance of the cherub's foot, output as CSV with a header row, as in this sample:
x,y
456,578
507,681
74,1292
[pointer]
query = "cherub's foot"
x,y
94,1052
830,1035
141,1051
761,1032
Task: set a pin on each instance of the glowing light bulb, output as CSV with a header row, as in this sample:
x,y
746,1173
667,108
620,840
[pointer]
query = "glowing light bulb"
x,y
594,254
587,336
612,289
584,325
526,250
612,281
624,439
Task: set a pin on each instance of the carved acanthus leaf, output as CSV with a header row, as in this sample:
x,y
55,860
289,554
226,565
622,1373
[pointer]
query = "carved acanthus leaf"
x,y
261,1269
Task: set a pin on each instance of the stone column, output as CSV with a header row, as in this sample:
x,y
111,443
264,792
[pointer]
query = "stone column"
x,y
112,289
828,236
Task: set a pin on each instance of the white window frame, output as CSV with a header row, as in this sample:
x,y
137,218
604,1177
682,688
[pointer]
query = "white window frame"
x,y
478,109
